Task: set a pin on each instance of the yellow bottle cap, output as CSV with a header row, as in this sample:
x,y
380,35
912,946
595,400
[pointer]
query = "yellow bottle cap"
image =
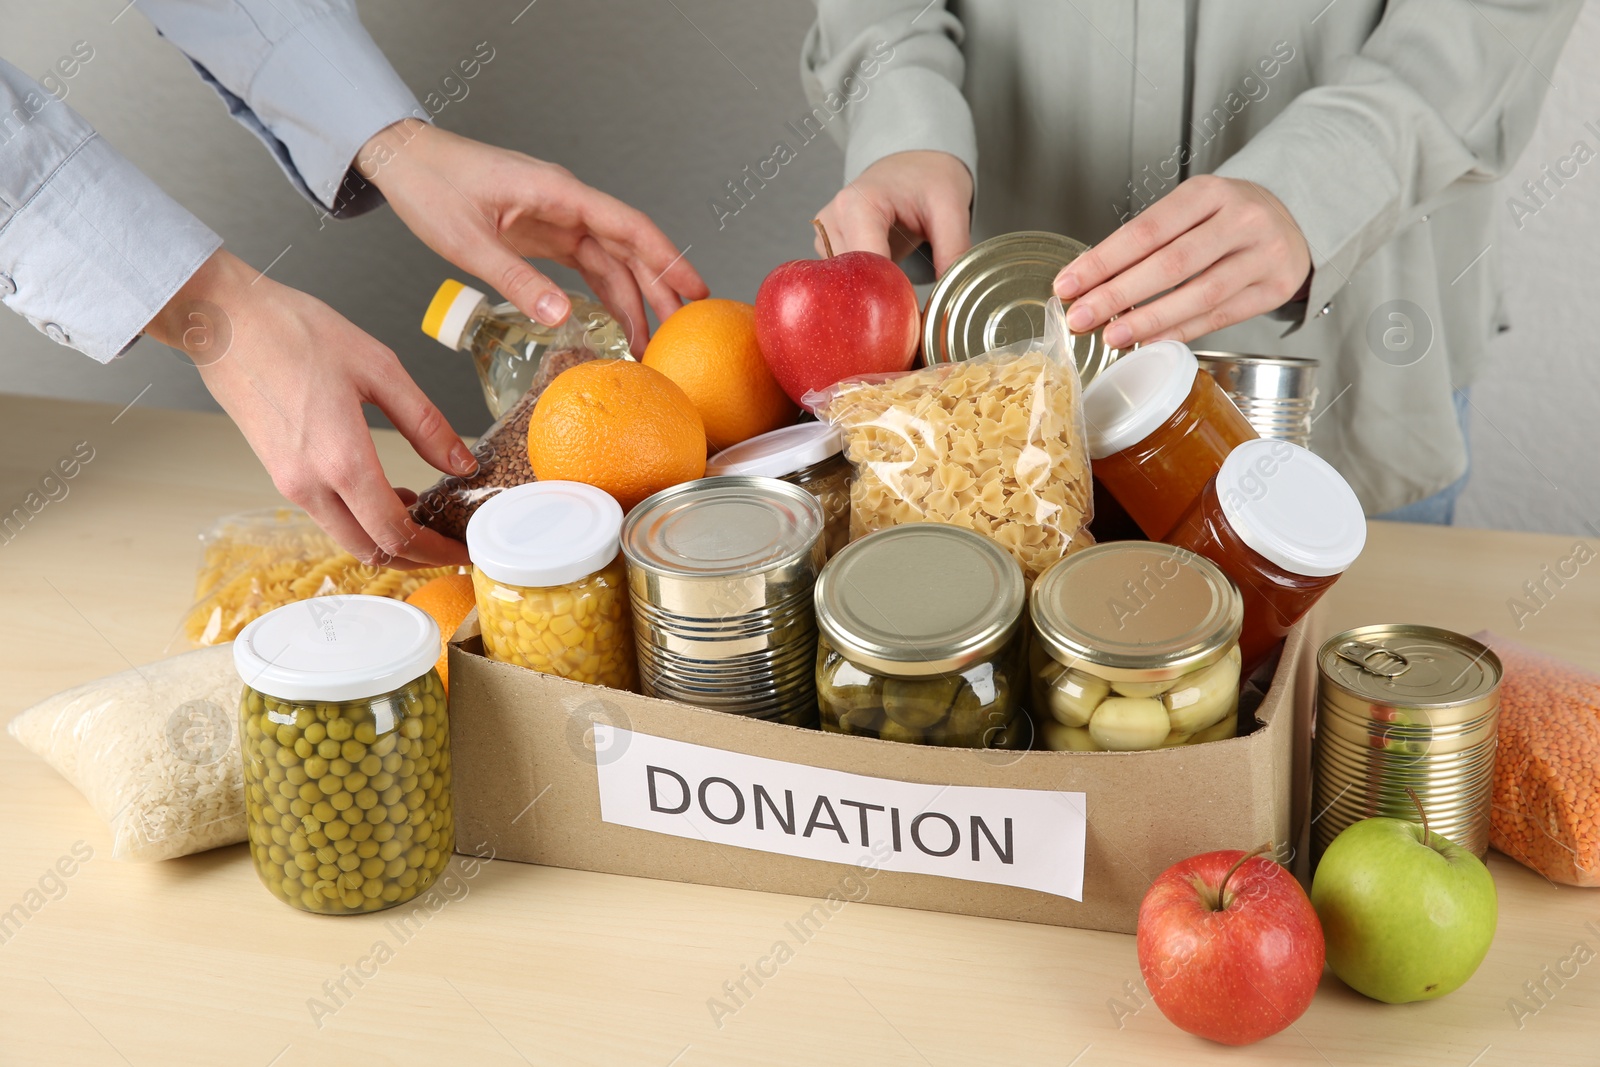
x,y
449,312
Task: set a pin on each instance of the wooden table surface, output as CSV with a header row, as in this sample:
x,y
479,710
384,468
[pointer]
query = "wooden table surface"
x,y
190,961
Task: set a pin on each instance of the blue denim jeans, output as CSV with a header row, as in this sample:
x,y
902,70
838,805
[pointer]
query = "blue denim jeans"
x,y
1440,508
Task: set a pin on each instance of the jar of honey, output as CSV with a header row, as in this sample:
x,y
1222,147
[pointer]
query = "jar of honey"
x,y
1159,427
1283,525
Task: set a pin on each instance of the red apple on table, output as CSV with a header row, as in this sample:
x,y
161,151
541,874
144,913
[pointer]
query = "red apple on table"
x,y
819,321
1229,946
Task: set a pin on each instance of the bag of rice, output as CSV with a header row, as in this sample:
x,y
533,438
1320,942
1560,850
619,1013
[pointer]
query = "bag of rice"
x,y
995,444
153,752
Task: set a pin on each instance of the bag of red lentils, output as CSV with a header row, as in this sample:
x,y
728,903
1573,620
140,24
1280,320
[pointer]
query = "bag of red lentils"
x,y
1546,801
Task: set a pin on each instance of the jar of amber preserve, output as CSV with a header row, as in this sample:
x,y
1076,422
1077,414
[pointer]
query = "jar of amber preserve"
x,y
1159,427
346,745
919,627
1283,524
551,585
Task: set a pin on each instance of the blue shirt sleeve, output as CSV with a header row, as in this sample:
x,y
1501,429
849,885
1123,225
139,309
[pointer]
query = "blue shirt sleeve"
x,y
90,248
302,75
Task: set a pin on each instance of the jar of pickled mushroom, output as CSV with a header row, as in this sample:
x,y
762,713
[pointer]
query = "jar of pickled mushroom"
x,y
551,585
346,745
1283,524
1135,647
919,638
807,454
1159,427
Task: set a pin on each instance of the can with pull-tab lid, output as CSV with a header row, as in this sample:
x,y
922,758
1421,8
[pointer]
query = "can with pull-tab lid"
x,y
995,294
1405,707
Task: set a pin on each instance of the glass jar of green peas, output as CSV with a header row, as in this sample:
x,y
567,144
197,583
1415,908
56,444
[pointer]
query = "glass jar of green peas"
x,y
346,745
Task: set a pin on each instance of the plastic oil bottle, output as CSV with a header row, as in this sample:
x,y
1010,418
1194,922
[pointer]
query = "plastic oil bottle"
x,y
513,354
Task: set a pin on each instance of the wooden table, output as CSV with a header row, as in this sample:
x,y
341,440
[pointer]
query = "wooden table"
x,y
192,962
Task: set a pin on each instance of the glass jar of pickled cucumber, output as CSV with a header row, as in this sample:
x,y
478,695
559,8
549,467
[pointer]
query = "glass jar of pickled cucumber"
x,y
346,745
552,588
919,634
807,454
1135,647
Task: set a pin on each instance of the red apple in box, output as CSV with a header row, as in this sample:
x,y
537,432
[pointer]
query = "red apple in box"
x,y
819,321
1230,946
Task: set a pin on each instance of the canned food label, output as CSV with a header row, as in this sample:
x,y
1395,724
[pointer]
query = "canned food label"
x,y
1029,838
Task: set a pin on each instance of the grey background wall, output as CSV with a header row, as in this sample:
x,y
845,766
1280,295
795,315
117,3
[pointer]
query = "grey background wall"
x,y
661,103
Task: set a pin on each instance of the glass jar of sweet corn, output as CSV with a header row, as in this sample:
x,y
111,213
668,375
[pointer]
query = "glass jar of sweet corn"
x,y
551,585
346,744
1135,647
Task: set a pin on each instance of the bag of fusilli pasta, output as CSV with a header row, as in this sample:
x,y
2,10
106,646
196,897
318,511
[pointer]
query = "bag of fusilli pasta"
x,y
995,444
255,561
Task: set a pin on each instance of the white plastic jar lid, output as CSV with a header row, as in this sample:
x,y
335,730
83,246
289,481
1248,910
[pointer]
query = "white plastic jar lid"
x,y
778,452
1129,399
332,648
1292,507
545,533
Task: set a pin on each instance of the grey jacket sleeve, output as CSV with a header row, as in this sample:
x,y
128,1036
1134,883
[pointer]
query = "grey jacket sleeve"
x,y
898,66
1442,91
303,76
90,249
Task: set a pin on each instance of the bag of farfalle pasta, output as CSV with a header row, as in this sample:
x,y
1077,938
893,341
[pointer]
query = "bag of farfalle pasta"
x,y
995,444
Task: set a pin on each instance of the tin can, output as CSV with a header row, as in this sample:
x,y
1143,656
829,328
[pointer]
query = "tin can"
x,y
1405,707
1275,393
720,575
994,295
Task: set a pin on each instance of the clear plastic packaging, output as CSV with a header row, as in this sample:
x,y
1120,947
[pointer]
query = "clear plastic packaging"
x,y
994,444
152,750
254,561
1546,809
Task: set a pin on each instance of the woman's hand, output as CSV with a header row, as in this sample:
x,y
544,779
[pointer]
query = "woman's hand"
x,y
901,201
1227,249
293,373
488,210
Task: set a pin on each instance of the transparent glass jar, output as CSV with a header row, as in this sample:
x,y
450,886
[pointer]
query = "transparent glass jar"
x,y
1159,427
1135,647
346,765
903,657
1283,525
513,354
551,585
807,454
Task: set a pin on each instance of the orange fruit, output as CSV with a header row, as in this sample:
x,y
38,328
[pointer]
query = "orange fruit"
x,y
619,426
709,348
448,600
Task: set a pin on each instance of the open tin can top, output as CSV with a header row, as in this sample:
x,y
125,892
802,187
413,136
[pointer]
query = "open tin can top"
x,y
995,294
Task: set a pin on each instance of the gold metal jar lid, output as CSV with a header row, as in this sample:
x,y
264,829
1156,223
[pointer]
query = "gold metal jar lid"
x,y
920,599
1408,674
995,293
1136,611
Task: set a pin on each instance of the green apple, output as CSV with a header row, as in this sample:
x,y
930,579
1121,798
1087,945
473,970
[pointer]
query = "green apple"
x,y
1408,914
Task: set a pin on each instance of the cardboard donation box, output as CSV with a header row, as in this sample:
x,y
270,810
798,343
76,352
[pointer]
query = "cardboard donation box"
x,y
555,772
